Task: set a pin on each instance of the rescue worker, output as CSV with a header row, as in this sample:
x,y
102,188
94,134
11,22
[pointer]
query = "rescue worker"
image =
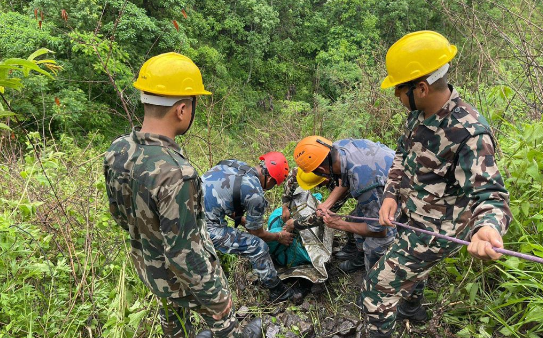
x,y
358,167
234,189
155,194
444,179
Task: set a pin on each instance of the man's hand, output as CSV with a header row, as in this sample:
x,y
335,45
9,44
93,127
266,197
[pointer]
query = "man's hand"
x,y
285,214
322,209
224,312
483,241
289,225
285,238
387,211
333,222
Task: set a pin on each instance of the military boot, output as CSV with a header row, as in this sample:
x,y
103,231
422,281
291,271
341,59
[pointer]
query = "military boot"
x,y
412,311
349,249
281,292
354,264
253,329
204,334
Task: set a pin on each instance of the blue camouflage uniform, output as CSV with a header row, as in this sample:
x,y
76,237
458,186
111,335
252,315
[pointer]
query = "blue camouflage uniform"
x,y
218,185
364,170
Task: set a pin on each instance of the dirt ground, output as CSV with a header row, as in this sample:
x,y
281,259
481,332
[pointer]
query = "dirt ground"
x,y
328,309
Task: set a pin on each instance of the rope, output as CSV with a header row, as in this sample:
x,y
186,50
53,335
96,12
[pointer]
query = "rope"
x,y
448,238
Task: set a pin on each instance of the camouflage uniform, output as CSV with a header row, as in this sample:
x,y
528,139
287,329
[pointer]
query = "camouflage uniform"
x,y
219,202
446,180
364,168
155,194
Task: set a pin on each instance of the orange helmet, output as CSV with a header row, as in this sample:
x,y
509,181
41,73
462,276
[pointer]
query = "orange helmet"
x,y
311,151
276,164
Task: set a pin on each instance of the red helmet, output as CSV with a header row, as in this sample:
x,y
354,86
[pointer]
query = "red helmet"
x,y
276,164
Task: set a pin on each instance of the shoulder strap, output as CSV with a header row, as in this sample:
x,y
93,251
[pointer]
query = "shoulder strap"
x,y
242,170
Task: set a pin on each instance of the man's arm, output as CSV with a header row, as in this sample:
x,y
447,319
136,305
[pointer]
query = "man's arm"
x,y
362,229
392,188
289,187
478,175
283,237
334,196
113,195
187,246
255,206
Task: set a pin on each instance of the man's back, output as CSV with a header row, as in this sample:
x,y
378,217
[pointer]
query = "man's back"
x,y
364,164
219,184
155,194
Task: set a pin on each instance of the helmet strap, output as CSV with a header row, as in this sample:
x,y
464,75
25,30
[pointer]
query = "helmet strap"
x,y
192,113
411,96
264,171
331,168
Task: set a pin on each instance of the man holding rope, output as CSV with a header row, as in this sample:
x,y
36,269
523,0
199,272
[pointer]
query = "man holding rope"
x,y
444,179
359,169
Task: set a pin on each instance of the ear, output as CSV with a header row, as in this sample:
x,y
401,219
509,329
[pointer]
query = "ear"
x,y
179,111
322,169
424,88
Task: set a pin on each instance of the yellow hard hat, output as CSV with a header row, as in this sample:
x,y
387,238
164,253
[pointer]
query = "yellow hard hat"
x,y
170,74
311,151
415,55
308,181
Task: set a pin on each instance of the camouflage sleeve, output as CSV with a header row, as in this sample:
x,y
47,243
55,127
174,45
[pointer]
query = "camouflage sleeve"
x,y
118,217
290,186
255,207
188,248
392,187
479,177
116,214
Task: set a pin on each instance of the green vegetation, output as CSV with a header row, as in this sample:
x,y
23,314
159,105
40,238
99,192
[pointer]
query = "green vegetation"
x,y
279,70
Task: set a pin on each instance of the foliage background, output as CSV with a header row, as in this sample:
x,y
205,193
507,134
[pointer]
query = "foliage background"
x,y
279,70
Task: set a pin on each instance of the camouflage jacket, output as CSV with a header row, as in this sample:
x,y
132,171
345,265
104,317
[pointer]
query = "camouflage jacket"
x,y
291,192
364,164
155,194
444,173
219,196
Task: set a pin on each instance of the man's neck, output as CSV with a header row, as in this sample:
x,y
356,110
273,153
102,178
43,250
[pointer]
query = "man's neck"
x,y
436,102
336,167
155,126
260,176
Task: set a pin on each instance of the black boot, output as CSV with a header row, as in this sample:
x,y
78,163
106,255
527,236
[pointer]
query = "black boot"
x,y
354,264
349,249
253,329
281,292
204,334
412,311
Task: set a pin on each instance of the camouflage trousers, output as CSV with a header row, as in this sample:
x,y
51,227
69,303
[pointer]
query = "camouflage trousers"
x,y
368,206
401,273
232,241
175,322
